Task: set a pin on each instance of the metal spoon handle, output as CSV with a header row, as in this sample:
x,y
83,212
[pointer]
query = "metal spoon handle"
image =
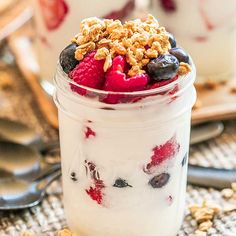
x,y
45,148
47,171
211,177
45,182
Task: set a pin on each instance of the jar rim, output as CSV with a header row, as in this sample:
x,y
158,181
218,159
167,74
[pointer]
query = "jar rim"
x,y
189,78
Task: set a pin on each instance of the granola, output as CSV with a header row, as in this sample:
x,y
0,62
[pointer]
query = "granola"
x,y
139,41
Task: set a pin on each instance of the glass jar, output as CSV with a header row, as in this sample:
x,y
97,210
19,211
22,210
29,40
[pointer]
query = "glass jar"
x,y
124,165
207,30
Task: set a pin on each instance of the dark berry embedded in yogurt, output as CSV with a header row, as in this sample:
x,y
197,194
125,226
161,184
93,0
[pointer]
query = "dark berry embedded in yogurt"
x,y
121,183
180,54
67,58
73,176
160,180
164,67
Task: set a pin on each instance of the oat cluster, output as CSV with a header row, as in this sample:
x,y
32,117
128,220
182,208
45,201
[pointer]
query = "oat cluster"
x,y
138,40
204,215
229,193
65,232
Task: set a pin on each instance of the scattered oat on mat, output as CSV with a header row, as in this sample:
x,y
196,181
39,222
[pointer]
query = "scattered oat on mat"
x,y
204,215
28,233
200,233
65,232
229,194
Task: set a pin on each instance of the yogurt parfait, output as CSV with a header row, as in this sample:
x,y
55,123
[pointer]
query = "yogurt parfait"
x,y
124,94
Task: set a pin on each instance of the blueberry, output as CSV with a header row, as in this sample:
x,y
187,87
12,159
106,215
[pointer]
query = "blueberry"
x,y
180,54
159,181
163,68
73,176
172,40
185,158
121,183
67,58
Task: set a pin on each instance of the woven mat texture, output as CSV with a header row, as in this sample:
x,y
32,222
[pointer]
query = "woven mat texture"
x,y
47,218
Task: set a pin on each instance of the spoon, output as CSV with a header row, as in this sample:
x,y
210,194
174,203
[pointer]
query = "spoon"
x,y
18,194
20,133
25,162
211,177
205,131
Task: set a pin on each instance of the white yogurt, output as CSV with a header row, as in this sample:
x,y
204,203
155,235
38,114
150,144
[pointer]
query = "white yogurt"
x,y
121,148
207,30
63,18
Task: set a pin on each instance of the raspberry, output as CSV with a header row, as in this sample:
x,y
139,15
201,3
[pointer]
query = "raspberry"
x,y
89,132
117,81
89,72
168,5
162,153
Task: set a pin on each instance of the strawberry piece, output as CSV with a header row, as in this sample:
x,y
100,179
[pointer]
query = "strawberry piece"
x,y
95,194
95,191
162,153
122,13
89,132
168,5
53,12
89,72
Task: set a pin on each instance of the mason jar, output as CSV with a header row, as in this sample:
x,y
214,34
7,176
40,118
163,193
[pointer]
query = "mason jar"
x,y
124,164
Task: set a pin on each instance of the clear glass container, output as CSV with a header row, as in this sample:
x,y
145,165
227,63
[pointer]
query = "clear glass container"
x,y
124,165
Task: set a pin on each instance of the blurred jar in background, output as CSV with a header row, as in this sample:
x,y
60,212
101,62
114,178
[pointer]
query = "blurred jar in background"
x,y
58,20
206,29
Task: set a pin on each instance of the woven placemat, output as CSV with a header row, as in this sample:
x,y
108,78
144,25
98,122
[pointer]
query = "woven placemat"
x,y
48,217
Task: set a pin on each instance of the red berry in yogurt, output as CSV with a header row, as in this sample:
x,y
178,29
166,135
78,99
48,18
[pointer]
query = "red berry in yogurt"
x,y
162,153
